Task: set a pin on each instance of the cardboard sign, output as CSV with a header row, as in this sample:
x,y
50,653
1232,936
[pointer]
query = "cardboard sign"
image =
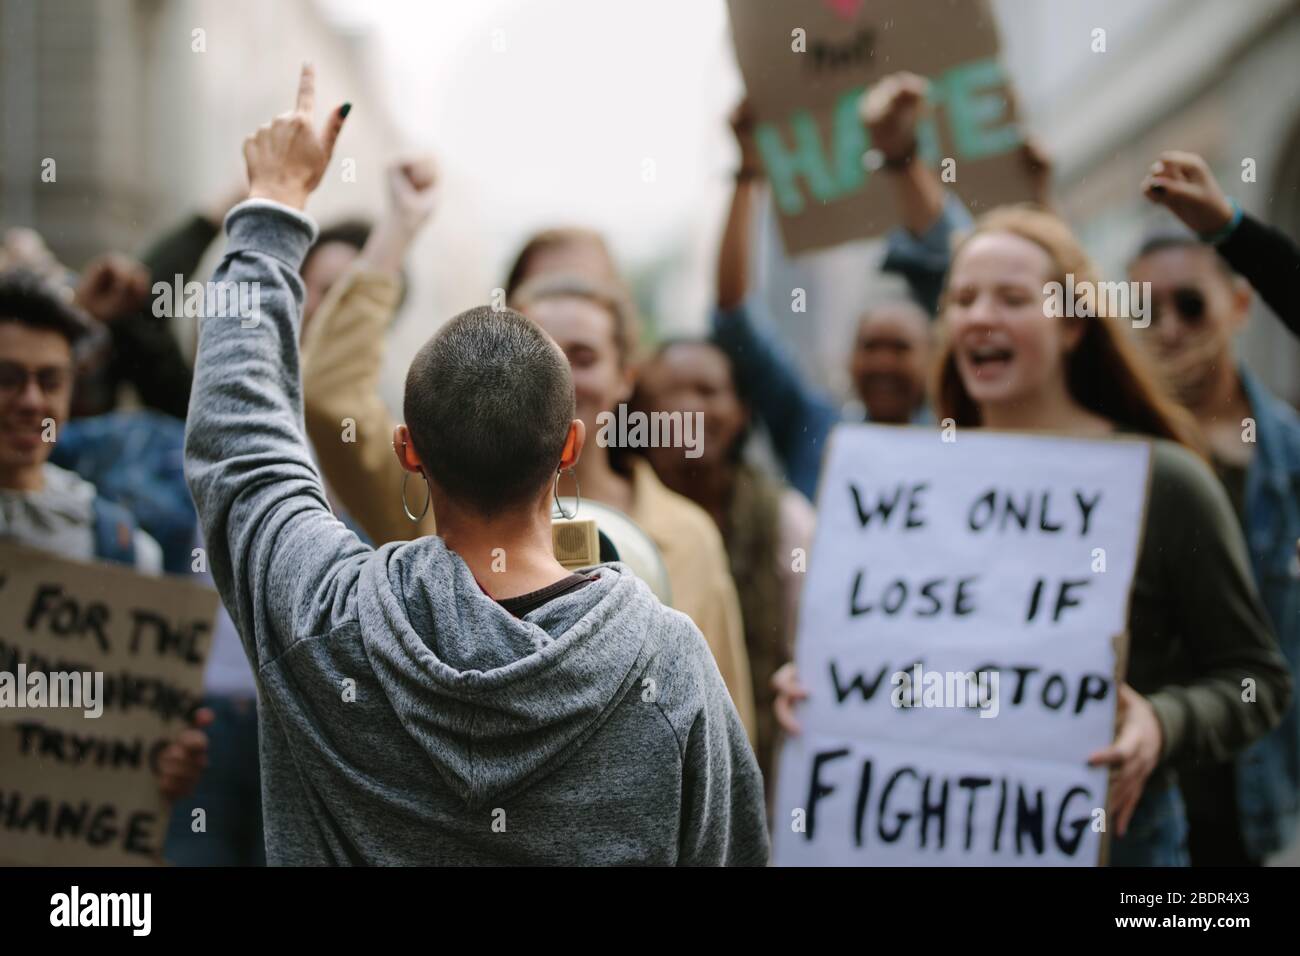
x,y
961,637
806,64
77,783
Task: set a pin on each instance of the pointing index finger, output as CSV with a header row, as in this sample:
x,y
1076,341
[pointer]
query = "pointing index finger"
x,y
307,89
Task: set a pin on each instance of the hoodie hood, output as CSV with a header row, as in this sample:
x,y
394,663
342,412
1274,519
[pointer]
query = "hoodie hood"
x,y
498,702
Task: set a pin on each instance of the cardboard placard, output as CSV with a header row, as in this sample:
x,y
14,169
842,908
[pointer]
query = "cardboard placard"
x,y
806,63
78,789
961,638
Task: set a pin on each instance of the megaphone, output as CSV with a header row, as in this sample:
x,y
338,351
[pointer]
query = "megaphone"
x,y
601,534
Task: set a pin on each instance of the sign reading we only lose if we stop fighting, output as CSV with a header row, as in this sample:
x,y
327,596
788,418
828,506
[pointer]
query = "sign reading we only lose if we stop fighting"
x,y
806,64
961,635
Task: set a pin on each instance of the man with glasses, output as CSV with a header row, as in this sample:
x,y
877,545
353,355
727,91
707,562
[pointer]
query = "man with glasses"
x,y
1201,290
43,505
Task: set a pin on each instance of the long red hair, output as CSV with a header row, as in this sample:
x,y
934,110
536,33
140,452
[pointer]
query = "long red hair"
x,y
1105,372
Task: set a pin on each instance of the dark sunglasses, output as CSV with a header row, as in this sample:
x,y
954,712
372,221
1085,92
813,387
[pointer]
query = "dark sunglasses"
x,y
1188,303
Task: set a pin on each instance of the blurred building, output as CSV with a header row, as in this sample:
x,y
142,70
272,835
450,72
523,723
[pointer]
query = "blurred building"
x,y
142,106
1208,77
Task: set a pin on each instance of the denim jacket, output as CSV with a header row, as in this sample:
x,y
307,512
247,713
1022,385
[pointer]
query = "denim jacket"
x,y
799,414
1268,772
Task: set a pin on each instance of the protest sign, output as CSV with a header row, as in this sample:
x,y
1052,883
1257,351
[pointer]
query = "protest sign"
x,y
961,637
100,668
807,64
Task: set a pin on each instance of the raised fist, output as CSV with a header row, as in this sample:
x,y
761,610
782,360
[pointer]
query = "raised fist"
x,y
890,109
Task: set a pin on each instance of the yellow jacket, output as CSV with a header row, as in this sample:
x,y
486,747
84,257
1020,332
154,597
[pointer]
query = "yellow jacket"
x,y
351,430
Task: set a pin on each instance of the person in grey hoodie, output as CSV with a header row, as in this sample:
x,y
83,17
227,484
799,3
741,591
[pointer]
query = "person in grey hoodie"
x,y
458,699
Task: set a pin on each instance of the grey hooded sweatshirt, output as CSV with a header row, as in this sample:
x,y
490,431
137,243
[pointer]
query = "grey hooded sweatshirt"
x,y
407,718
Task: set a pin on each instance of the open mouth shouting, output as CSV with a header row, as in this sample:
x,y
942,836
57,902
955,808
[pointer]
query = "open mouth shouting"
x,y
987,359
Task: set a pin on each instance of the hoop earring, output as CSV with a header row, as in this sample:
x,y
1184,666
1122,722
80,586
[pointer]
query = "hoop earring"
x,y
577,496
407,508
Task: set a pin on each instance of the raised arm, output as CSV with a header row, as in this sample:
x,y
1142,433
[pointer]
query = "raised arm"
x,y
797,416
1265,257
342,359
273,544
920,249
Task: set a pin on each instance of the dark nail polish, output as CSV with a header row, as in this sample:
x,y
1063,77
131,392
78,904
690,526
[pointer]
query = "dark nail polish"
x,y
345,109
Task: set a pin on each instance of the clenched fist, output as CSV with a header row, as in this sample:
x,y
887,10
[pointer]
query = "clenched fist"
x,y
1183,184
113,286
891,110
412,190
287,157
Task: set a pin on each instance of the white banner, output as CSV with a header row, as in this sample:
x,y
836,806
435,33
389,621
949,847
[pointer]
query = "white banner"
x,y
959,635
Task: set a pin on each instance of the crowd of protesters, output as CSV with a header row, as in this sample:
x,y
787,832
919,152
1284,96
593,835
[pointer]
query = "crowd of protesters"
x,y
603,720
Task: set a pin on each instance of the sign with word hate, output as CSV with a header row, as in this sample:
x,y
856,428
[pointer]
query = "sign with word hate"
x,y
961,636
100,668
807,63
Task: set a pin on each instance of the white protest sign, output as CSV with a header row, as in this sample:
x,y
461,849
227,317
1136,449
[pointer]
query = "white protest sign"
x,y
959,635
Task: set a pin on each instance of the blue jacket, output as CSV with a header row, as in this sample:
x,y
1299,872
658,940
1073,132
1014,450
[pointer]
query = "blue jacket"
x,y
1268,773
136,459
798,415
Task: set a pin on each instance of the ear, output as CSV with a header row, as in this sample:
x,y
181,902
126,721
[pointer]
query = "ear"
x,y
629,376
573,443
405,451
1242,296
1072,333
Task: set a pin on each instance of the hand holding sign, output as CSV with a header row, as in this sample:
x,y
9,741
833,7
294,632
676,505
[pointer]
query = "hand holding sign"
x,y
287,158
890,110
789,692
1132,756
184,760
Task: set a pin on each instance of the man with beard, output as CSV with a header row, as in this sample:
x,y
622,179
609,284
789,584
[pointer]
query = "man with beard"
x,y
1242,811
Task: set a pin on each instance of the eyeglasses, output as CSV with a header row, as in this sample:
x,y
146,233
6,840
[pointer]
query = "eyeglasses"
x,y
1188,303
51,379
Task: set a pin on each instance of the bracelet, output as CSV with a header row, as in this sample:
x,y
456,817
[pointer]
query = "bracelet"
x,y
902,162
1216,237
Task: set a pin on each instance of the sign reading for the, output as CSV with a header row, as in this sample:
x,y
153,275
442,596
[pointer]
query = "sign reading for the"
x,y
77,783
960,635
806,63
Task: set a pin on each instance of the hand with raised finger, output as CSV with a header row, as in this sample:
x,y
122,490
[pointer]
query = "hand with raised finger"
x,y
287,157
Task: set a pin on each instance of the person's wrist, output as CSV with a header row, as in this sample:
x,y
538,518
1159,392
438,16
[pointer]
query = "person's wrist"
x,y
1223,225
898,160
292,196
